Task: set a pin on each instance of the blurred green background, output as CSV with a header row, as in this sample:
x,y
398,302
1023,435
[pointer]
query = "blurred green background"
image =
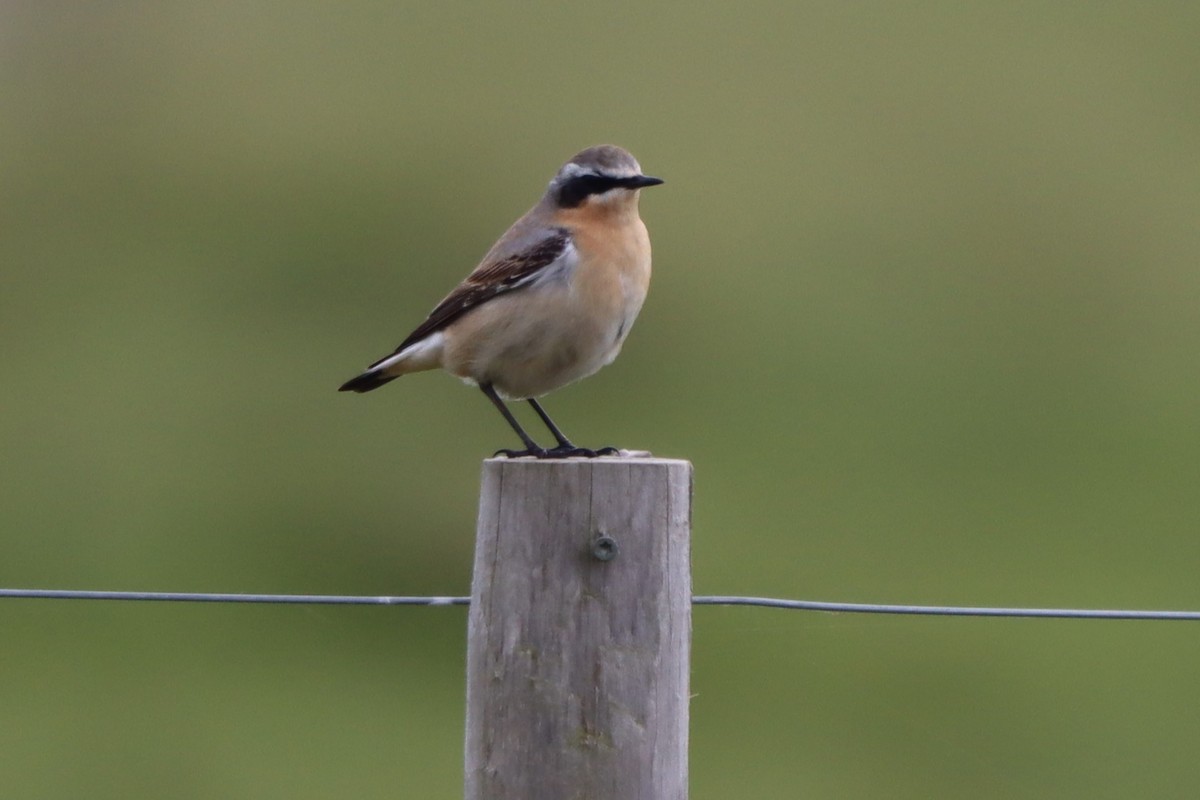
x,y
925,316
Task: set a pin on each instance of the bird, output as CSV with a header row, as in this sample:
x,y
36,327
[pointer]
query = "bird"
x,y
551,302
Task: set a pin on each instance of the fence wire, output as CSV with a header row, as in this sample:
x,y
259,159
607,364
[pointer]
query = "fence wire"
x,y
699,600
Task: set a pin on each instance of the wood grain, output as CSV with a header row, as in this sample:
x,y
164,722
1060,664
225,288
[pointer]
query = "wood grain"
x,y
577,667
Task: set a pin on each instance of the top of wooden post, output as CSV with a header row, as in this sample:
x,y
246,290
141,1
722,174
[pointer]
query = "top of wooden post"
x,y
626,457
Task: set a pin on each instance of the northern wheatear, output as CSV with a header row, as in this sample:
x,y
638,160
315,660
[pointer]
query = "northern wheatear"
x,y
550,303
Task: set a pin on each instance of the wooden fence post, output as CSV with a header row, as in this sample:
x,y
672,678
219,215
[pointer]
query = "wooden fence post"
x,y
580,630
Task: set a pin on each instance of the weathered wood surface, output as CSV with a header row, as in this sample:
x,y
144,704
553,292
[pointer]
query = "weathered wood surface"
x,y
577,667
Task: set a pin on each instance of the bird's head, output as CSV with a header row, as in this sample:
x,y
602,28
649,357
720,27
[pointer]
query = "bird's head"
x,y
606,175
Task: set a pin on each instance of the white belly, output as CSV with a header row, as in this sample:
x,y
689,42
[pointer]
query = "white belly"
x,y
542,338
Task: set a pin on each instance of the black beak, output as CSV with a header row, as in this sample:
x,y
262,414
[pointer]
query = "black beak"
x,y
642,181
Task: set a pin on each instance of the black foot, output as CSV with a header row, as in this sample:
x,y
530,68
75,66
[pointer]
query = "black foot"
x,y
571,451
562,451
536,452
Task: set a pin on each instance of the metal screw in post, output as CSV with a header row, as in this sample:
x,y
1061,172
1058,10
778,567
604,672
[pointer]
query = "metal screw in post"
x,y
604,547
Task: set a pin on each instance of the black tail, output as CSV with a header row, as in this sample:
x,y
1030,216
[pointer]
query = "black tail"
x,y
366,382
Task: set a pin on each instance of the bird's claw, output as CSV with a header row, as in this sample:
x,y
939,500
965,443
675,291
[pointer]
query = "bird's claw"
x,y
562,451
571,451
531,452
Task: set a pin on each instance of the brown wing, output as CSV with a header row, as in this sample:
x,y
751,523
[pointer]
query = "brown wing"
x,y
490,281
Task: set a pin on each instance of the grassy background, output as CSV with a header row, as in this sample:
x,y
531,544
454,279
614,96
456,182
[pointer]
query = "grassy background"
x,y
924,316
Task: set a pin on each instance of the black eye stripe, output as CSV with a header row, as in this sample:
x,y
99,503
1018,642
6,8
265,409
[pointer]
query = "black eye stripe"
x,y
575,190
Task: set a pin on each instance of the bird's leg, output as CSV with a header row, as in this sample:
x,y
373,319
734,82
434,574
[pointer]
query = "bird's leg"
x,y
563,441
531,447
565,449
